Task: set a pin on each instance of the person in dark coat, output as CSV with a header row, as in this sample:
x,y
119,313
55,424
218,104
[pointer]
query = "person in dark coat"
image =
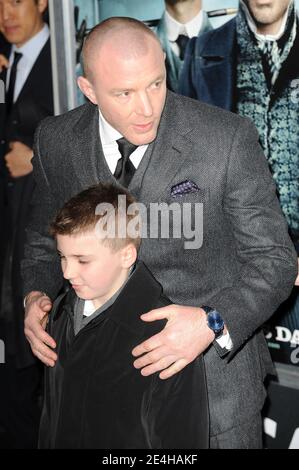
x,y
94,396
29,98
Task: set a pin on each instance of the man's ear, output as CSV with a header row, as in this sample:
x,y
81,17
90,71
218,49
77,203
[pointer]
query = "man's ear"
x,y
128,256
42,5
87,89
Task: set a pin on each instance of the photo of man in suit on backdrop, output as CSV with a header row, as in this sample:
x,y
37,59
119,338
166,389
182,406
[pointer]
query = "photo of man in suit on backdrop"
x,y
181,21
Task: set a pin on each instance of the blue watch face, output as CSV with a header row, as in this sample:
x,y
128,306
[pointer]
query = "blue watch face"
x,y
215,321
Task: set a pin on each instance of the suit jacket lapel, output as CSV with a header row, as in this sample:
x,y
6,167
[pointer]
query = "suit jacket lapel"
x,y
3,105
217,59
3,75
5,51
87,148
3,79
169,153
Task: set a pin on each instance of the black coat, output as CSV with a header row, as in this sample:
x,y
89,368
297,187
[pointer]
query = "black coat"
x,y
34,103
95,398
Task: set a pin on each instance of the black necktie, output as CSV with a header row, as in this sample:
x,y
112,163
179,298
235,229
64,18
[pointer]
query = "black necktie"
x,y
125,169
182,42
12,82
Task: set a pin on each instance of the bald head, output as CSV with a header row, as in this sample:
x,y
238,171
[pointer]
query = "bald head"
x,y
125,77
124,37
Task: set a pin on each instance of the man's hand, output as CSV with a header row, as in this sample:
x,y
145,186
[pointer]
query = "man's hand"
x,y
3,62
37,310
18,160
185,336
297,278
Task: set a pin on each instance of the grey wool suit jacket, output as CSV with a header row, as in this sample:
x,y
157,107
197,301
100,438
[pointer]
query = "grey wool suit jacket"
x,y
246,266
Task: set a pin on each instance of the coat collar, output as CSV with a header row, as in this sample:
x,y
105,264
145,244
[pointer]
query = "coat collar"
x,y
172,147
218,42
215,56
140,295
86,146
6,52
290,68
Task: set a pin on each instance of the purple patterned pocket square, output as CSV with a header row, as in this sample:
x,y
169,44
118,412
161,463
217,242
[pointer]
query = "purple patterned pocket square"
x,y
185,187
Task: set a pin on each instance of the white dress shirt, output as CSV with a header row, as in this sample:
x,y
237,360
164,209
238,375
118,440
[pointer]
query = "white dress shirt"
x,y
109,136
174,29
30,50
89,308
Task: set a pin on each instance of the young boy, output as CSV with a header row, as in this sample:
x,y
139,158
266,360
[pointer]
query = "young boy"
x,y
94,397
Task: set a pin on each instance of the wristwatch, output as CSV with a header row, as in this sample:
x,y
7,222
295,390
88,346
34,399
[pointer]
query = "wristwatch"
x,y
214,321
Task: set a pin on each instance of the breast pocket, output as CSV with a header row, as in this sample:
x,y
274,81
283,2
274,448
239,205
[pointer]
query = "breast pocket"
x,y
178,219
200,195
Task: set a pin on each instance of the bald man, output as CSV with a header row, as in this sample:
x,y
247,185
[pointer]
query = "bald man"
x,y
200,158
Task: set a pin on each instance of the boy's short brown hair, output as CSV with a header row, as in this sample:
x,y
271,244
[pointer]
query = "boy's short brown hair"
x,y
80,214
